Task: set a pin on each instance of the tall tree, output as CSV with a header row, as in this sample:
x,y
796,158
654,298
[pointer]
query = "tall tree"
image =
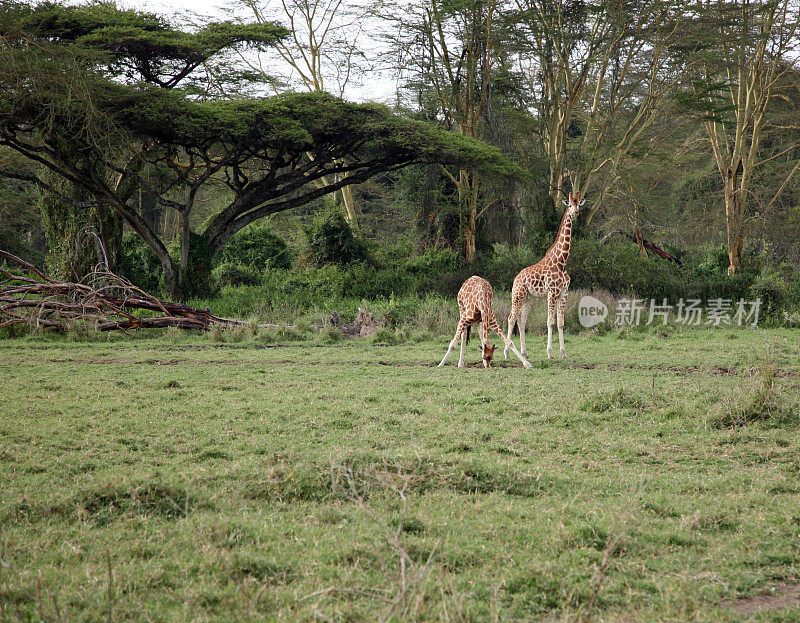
x,y
453,47
600,75
264,154
748,55
321,51
57,56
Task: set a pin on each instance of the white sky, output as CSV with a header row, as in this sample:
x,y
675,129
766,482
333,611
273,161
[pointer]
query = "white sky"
x,y
374,85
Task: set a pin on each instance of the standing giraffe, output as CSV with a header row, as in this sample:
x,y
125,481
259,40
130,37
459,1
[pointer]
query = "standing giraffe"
x,y
545,278
475,305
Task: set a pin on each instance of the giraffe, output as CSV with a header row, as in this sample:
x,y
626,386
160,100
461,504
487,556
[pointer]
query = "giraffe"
x,y
546,278
475,305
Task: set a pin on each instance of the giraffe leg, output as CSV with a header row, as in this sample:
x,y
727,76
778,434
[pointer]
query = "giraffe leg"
x,y
461,356
508,342
512,320
523,319
551,316
562,303
453,342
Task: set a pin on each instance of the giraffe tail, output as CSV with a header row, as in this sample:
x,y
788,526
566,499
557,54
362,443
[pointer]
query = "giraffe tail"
x,y
468,328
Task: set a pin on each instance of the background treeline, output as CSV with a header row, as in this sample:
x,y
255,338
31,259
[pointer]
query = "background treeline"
x,y
679,122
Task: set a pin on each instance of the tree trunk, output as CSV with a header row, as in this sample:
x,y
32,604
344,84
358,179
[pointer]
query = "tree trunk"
x,y
468,199
350,208
470,246
185,242
637,234
148,209
734,220
735,247
426,216
110,231
171,285
557,178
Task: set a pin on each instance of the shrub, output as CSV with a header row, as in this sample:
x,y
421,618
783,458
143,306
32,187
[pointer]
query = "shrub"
x,y
618,268
505,263
197,279
772,289
258,246
139,263
434,263
331,240
235,274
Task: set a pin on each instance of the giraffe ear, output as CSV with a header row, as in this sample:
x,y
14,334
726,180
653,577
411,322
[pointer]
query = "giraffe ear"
x,y
582,202
565,203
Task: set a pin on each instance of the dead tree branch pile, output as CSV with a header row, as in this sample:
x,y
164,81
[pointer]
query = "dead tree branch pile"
x,y
101,301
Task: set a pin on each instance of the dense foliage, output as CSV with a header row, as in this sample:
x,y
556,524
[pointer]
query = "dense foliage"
x,y
128,124
331,240
165,137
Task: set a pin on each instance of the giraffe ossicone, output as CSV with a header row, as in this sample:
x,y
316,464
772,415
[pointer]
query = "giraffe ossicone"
x,y
475,306
547,278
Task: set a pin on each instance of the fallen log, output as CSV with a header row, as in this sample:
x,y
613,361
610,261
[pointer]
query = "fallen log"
x,y
102,301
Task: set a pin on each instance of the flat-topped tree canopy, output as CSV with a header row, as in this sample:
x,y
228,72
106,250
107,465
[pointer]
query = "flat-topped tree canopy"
x,y
267,152
132,44
122,121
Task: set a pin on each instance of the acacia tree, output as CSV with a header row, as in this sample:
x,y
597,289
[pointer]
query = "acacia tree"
x,y
321,50
748,56
266,154
600,75
453,47
56,58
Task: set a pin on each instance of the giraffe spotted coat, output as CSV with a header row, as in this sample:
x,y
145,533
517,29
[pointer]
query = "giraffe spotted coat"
x,y
547,278
475,306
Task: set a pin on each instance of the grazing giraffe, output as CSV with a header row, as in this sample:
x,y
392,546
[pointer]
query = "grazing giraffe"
x,y
546,278
475,305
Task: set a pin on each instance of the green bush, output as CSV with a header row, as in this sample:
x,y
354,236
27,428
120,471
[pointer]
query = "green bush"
x,y
331,240
618,268
197,281
235,274
420,290
434,263
773,290
506,262
256,245
139,264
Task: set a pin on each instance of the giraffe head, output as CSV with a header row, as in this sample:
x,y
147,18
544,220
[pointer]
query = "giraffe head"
x,y
488,353
574,204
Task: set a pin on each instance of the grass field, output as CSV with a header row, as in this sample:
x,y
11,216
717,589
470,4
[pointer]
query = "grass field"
x,y
649,477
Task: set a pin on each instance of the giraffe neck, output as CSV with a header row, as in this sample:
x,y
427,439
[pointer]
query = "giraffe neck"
x,y
559,252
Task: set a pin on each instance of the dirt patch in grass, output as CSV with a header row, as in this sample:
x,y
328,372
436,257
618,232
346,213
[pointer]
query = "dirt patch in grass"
x,y
152,362
779,597
258,346
407,364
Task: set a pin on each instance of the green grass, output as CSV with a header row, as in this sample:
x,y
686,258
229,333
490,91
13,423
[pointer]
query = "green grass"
x,y
247,477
